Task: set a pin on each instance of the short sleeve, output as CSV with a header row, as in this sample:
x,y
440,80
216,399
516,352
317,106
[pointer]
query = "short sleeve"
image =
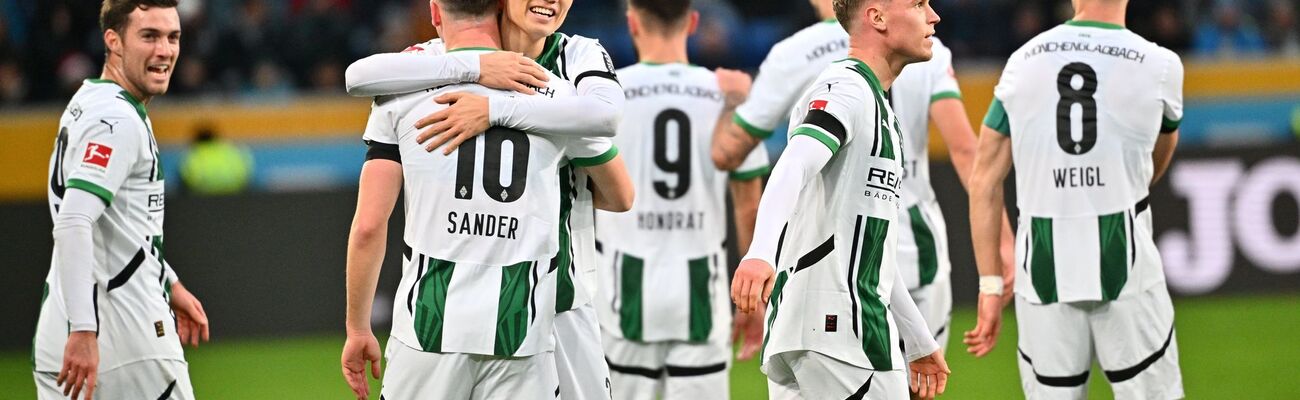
x,y
775,89
1171,95
831,110
588,61
942,75
101,162
589,151
996,118
755,166
381,134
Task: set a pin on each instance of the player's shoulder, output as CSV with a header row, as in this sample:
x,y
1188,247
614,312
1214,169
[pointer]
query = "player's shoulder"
x,y
848,83
102,99
797,45
433,46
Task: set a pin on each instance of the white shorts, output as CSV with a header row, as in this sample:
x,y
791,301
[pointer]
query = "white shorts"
x,y
935,302
579,358
798,375
669,370
1131,337
147,379
414,374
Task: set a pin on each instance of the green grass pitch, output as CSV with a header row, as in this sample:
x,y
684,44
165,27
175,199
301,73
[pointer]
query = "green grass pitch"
x,y
1231,348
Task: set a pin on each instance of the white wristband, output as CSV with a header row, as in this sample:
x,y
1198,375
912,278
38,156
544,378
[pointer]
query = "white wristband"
x,y
991,285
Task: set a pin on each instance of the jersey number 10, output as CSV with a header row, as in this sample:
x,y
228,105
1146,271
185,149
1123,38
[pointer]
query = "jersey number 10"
x,y
1081,96
466,160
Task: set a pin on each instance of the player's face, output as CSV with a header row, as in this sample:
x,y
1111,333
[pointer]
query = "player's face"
x,y
149,48
911,24
539,18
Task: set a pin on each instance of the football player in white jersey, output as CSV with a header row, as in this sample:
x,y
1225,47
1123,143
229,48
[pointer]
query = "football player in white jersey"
x,y
1088,112
665,316
824,253
614,193
924,92
107,327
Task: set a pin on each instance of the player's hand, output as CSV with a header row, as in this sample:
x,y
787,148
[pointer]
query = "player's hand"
x,y
508,70
752,285
1008,249
734,85
466,118
747,329
80,365
984,337
191,320
357,351
929,375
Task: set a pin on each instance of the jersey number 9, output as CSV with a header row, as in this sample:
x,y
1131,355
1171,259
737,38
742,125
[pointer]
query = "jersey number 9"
x,y
681,166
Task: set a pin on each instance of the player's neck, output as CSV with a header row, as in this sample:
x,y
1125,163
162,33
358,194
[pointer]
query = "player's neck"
x,y
459,34
656,49
113,72
825,10
884,67
516,39
1099,11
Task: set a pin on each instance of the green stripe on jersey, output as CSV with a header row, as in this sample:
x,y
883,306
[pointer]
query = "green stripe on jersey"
x,y
816,133
431,304
701,316
927,255
629,312
1168,125
549,59
996,118
950,94
1042,259
749,128
597,160
565,290
750,174
512,308
139,108
876,342
89,187
1113,240
773,306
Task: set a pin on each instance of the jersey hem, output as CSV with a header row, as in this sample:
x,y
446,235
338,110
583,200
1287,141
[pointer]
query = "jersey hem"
x,y
103,194
750,128
597,160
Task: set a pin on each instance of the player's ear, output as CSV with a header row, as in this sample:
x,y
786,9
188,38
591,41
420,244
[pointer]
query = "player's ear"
x,y
693,22
435,14
113,41
633,26
874,15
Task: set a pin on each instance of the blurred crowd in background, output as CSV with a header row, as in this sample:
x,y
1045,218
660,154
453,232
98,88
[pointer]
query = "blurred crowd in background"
x,y
266,50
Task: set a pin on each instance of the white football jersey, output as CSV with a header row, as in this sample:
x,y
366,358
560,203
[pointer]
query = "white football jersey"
x,y
1083,104
105,146
789,68
483,226
836,262
669,250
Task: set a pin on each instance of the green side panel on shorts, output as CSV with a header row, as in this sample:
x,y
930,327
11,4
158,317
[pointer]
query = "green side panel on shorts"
x,y
512,308
927,255
1113,241
45,293
565,290
876,342
431,304
773,306
629,312
1042,260
701,318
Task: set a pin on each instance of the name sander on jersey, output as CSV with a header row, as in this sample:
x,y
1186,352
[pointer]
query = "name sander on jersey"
x,y
489,225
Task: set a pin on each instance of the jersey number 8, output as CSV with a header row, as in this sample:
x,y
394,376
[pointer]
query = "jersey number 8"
x,y
493,138
1081,96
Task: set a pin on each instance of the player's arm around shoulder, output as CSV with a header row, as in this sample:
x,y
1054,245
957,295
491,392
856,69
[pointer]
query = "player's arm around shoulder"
x,y
600,159
427,65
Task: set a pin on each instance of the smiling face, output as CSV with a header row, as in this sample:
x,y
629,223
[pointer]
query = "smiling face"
x,y
147,49
910,24
538,18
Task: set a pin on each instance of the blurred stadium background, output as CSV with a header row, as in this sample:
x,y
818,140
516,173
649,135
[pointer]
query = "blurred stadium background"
x,y
266,256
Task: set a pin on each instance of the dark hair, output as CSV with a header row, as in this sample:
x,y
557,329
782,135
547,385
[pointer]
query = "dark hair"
x,y
844,10
114,14
665,13
469,8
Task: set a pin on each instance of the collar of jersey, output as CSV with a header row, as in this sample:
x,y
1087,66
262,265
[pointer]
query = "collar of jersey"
x,y
830,21
139,107
865,71
480,48
1094,24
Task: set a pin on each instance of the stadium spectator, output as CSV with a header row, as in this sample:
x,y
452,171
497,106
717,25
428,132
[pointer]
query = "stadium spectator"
x,y
215,166
1280,32
1229,32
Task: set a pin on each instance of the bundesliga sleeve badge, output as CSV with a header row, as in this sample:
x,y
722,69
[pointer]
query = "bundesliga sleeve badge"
x,y
817,105
97,154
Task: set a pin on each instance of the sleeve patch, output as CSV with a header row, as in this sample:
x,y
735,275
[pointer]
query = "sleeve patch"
x,y
97,154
